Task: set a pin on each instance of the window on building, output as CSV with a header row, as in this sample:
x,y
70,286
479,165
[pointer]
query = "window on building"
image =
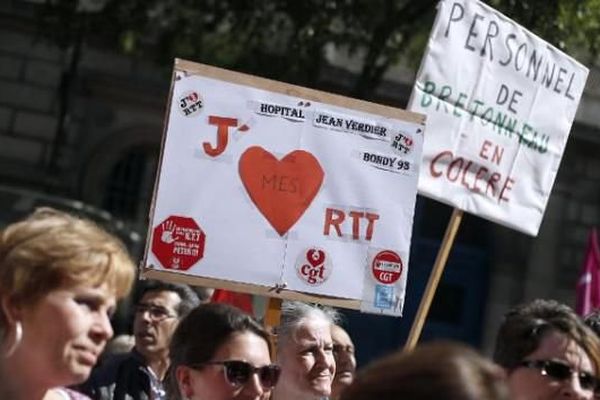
x,y
130,185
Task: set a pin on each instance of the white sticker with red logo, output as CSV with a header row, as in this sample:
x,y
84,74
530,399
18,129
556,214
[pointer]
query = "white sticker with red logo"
x,y
402,143
385,282
313,266
190,103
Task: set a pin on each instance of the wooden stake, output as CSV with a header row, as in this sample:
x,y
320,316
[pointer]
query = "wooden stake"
x,y
272,320
434,279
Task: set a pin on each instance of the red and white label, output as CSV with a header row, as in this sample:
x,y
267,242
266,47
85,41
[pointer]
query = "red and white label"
x,y
178,243
190,103
387,266
313,266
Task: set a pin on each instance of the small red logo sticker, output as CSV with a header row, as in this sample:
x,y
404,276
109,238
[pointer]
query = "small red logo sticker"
x,y
313,266
387,266
178,243
190,103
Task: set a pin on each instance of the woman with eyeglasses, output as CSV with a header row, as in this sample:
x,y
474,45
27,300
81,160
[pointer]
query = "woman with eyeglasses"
x,y
60,279
220,353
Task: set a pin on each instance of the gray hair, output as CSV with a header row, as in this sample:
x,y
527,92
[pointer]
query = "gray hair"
x,y
294,313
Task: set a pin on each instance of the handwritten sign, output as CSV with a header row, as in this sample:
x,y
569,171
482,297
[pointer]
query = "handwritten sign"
x,y
285,188
500,103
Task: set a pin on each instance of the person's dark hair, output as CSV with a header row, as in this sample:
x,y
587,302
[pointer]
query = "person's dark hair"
x,y
200,334
432,371
189,299
526,325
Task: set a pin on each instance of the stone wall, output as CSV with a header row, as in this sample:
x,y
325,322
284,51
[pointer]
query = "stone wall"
x,y
116,103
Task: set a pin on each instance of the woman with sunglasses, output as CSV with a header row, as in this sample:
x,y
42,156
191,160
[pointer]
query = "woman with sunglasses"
x,y
220,353
548,353
60,279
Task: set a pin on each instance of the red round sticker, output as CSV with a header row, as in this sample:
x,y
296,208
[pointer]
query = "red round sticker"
x,y
178,242
387,266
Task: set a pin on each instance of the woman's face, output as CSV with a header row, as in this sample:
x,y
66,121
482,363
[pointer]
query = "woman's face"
x,y
307,363
529,383
209,382
65,332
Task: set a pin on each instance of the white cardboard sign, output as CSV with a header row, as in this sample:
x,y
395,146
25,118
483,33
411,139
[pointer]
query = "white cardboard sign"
x,y
499,103
279,190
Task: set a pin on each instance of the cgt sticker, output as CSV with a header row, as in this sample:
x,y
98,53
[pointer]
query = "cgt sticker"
x,y
387,267
190,104
313,266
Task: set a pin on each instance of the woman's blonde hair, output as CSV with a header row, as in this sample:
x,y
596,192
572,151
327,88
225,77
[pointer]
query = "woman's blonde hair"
x,y
52,249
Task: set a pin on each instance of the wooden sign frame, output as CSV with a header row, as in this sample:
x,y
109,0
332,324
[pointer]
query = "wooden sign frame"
x,y
190,68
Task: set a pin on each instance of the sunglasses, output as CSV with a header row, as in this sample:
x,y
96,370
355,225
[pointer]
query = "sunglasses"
x,y
238,373
560,371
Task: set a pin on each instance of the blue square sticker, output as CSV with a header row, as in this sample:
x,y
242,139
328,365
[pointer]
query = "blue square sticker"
x,y
384,296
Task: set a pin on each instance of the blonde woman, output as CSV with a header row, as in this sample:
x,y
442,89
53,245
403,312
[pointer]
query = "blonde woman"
x,y
60,279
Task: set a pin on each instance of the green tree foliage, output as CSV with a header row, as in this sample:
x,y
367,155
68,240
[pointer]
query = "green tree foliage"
x,y
288,39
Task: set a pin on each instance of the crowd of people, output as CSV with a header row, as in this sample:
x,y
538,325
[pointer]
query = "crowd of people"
x,y
61,278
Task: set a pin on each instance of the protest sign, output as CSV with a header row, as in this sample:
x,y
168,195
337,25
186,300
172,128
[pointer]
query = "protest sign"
x,y
264,185
499,103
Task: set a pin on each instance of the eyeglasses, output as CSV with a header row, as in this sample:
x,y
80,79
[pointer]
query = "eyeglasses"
x,y
560,371
238,373
156,313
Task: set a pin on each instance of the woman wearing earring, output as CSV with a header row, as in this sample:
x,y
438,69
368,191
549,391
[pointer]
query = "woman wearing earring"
x,y
60,278
220,353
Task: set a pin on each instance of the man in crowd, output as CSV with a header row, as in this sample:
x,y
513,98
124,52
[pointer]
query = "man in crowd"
x,y
343,352
548,353
137,375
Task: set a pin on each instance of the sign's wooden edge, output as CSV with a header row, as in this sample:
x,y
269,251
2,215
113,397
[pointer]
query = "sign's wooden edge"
x,y
208,71
175,277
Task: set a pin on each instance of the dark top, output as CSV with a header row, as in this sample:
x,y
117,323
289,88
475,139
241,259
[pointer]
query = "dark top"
x,y
123,377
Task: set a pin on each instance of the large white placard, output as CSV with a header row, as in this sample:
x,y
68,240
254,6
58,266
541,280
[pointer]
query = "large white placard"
x,y
500,103
279,190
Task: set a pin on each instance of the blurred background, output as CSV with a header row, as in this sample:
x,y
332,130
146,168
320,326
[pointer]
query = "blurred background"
x,y
83,90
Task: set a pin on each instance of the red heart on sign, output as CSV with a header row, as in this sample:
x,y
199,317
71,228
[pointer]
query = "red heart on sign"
x,y
281,190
